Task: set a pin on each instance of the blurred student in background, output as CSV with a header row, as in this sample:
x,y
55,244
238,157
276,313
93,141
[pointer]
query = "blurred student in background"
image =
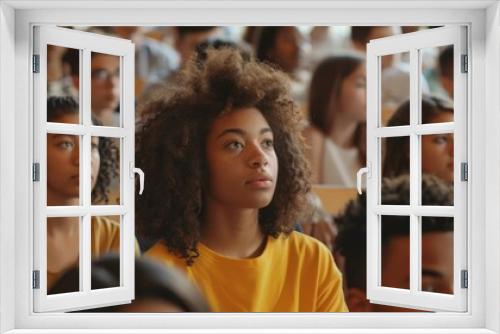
x,y
282,47
337,116
105,84
437,244
437,150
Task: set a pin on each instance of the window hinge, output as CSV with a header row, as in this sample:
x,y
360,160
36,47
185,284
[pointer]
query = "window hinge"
x,y
464,279
36,172
36,279
465,66
464,171
36,63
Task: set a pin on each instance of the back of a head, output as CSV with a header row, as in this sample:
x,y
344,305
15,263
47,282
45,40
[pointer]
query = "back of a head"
x,y
351,241
325,87
152,281
359,34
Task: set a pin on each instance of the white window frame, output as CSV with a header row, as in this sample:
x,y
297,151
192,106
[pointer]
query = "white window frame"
x,y
86,43
412,43
16,19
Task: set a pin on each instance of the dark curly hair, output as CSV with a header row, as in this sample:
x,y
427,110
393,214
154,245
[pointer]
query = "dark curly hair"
x,y
351,240
172,142
58,106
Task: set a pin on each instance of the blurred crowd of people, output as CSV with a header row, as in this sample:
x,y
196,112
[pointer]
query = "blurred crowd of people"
x,y
324,70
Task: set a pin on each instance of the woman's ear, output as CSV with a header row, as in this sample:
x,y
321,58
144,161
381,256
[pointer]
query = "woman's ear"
x,y
357,302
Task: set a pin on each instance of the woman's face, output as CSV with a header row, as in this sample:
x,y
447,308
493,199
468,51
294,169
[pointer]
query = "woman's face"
x,y
63,162
437,151
353,95
242,163
287,49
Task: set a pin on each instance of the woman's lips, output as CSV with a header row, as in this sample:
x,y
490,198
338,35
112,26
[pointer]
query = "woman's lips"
x,y
260,183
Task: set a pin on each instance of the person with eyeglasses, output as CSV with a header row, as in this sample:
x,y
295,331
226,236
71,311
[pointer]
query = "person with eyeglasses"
x,y
105,88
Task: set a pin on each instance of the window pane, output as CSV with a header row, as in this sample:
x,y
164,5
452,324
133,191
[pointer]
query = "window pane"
x,y
105,170
105,89
395,164
63,169
437,254
63,254
395,251
437,161
63,82
105,238
395,89
437,84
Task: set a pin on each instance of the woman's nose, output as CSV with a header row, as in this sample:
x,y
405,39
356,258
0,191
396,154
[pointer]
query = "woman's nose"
x,y
258,157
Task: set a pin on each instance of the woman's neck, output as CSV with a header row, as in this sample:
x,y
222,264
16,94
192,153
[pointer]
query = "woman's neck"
x,y
62,227
56,199
232,232
343,130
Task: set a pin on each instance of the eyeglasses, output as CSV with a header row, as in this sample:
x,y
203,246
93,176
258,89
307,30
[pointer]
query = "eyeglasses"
x,y
103,75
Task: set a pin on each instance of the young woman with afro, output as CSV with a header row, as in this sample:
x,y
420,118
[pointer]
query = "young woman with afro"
x,y
226,182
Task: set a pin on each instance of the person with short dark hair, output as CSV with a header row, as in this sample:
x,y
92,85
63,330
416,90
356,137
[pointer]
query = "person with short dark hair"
x,y
437,243
105,84
228,180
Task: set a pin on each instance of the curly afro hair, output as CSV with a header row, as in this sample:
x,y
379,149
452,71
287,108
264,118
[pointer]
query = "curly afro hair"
x,y
351,241
172,141
109,167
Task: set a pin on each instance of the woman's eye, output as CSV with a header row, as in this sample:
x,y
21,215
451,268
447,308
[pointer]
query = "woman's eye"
x,y
268,143
440,140
234,145
360,84
67,145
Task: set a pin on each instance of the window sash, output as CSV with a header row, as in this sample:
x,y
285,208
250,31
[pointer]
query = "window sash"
x,y
412,43
86,43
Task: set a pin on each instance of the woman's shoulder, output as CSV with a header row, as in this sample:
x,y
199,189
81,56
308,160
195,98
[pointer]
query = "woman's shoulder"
x,y
303,245
160,252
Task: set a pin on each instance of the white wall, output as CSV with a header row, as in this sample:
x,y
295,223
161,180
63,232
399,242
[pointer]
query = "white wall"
x,y
6,167
493,169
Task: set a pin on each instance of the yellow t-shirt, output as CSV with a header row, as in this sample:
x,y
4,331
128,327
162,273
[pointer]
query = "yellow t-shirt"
x,y
105,236
294,274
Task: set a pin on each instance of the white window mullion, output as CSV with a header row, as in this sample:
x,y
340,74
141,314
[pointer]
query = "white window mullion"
x,y
415,106
127,161
460,249
40,157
